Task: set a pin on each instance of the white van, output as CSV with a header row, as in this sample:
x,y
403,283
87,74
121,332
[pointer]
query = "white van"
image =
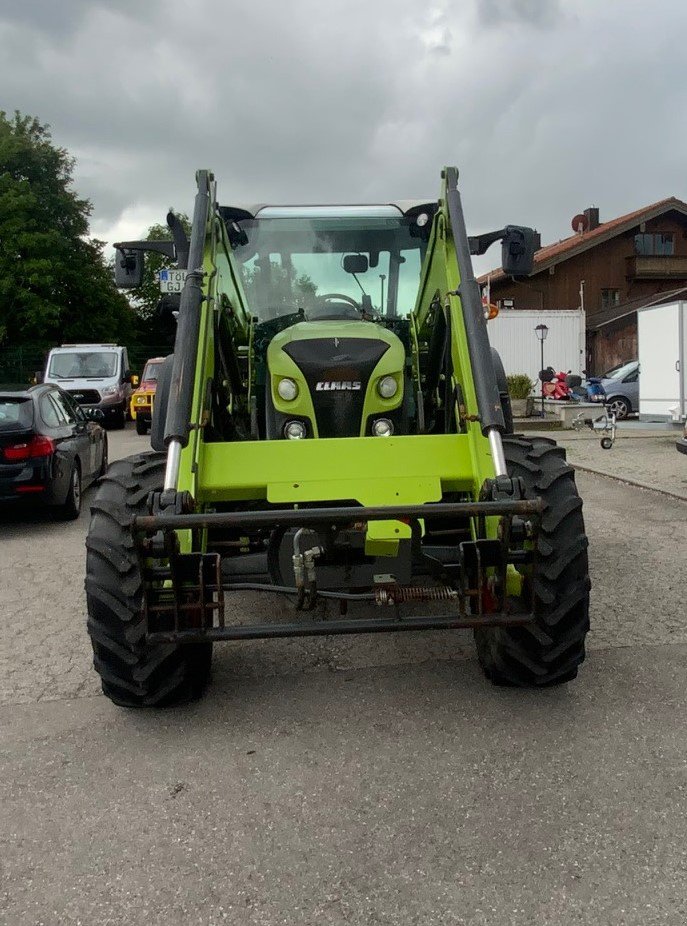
x,y
96,375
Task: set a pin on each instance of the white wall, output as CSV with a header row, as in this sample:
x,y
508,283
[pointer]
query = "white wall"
x,y
659,330
512,334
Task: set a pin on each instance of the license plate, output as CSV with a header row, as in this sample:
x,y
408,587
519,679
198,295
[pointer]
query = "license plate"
x,y
172,281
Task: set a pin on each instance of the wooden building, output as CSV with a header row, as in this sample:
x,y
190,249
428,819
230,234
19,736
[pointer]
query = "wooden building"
x,y
610,269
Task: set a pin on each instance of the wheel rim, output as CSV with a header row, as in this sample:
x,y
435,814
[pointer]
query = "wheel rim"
x,y
618,407
76,489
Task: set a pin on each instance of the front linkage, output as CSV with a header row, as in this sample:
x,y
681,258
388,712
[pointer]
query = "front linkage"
x,y
184,598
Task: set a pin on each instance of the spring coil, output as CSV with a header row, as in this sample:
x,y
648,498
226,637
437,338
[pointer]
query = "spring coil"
x,y
405,593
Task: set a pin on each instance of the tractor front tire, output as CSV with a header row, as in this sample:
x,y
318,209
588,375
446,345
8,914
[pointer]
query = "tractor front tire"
x,y
548,651
134,673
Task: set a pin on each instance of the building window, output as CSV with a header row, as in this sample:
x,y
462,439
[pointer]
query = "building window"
x,y
610,298
660,244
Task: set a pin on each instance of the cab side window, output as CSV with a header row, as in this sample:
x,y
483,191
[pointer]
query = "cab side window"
x,y
66,413
49,412
73,405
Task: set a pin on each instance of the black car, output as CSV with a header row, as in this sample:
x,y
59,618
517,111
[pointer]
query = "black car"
x,y
50,448
682,443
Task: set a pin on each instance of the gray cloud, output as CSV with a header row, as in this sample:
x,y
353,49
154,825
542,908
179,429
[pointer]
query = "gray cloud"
x,y
538,13
60,18
543,111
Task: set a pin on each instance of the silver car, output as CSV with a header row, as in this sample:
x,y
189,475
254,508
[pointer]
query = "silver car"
x,y
621,385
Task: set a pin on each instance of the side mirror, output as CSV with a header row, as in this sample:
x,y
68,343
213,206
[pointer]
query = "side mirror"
x,y
134,380
355,263
517,250
128,268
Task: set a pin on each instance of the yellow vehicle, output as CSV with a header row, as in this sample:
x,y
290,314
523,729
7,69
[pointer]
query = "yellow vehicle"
x,y
143,398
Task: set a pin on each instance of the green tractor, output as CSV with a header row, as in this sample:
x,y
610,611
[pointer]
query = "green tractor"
x,y
332,424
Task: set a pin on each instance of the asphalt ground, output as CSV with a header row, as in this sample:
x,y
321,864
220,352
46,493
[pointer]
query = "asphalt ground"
x,y
639,455
361,780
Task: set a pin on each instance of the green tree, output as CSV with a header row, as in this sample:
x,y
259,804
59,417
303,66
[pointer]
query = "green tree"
x,y
54,282
147,297
155,332
278,290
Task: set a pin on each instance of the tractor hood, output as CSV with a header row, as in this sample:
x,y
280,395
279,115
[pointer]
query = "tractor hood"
x,y
337,367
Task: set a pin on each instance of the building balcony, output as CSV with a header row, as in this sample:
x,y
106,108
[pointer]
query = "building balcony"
x,y
659,267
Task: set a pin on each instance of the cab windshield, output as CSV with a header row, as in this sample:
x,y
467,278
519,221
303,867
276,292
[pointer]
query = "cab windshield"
x,y
620,372
304,261
151,372
83,364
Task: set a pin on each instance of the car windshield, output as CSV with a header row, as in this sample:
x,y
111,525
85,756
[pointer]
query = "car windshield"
x,y
620,372
293,262
151,372
83,364
15,414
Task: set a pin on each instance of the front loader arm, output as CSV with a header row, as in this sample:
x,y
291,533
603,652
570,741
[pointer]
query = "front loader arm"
x,y
448,288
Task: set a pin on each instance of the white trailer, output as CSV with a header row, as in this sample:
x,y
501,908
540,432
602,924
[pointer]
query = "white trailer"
x,y
512,334
662,340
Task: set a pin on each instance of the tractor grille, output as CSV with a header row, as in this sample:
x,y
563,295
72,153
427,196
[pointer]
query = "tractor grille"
x,y
85,396
337,371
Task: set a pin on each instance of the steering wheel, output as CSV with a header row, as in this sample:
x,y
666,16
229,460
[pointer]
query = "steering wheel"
x,y
339,297
326,308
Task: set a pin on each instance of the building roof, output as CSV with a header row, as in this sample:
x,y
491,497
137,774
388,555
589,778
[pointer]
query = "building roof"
x,y
631,306
555,253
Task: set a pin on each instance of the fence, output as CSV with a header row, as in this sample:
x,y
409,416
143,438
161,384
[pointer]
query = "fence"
x,y
20,364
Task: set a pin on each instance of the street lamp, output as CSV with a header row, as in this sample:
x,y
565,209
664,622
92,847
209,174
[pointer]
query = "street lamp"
x,y
541,331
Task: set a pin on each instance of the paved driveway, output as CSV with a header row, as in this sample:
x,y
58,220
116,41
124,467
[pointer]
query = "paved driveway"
x,y
364,780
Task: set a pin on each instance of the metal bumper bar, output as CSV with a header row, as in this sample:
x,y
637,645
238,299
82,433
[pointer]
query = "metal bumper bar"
x,y
338,626
307,517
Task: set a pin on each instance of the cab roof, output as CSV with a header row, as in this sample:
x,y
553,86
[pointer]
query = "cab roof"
x,y
327,210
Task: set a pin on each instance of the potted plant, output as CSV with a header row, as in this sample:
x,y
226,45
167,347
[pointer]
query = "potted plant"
x,y
520,391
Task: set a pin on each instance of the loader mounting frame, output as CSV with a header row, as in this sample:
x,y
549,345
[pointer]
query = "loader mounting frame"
x,y
184,599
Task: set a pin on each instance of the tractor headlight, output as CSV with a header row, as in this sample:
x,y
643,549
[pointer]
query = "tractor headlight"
x,y
287,389
294,430
140,400
382,427
387,387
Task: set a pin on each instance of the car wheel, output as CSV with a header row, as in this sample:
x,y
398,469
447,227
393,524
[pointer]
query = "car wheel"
x,y
619,406
141,425
71,509
119,419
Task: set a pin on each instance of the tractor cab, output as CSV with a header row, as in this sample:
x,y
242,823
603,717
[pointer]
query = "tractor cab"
x,y
332,289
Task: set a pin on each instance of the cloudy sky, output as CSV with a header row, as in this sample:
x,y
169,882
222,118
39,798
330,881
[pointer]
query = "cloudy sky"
x,y
546,106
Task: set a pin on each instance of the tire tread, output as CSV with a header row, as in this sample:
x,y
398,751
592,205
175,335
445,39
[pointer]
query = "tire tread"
x,y
133,672
549,651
